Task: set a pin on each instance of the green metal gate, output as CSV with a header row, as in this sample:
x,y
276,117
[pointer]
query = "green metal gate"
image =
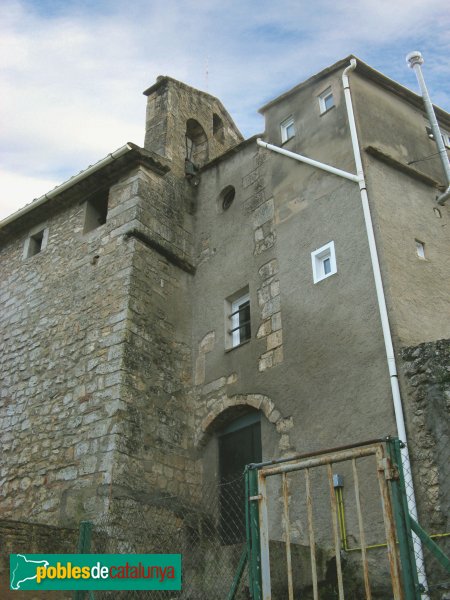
x,y
397,546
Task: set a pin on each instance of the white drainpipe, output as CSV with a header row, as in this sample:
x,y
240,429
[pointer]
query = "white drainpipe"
x,y
398,409
389,348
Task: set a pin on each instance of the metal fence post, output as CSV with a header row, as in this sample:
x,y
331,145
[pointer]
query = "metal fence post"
x,y
252,528
84,547
411,585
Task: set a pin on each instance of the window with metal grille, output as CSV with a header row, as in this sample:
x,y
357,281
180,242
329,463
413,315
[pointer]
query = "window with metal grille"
x,y
239,327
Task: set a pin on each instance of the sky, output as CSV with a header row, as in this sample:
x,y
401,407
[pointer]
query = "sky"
x,y
72,72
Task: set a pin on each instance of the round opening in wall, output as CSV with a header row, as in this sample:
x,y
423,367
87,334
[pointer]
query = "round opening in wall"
x,y
227,196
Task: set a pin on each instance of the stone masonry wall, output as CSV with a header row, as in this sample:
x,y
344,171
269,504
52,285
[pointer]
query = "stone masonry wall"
x,y
63,322
169,107
154,474
18,537
426,370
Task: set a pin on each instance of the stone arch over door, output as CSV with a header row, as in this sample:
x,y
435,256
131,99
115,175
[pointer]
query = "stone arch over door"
x,y
228,408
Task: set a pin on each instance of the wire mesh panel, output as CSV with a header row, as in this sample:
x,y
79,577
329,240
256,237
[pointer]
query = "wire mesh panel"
x,y
432,555
210,537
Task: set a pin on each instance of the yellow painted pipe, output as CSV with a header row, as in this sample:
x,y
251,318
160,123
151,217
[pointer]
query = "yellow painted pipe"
x,y
341,519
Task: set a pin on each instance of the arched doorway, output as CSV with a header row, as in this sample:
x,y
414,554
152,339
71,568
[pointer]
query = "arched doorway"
x,y
239,443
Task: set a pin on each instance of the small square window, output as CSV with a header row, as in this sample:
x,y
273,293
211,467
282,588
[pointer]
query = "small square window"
x,y
326,100
287,129
238,319
36,242
323,262
96,211
420,249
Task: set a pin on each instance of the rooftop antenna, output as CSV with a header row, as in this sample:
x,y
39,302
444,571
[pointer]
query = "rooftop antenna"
x,y
415,60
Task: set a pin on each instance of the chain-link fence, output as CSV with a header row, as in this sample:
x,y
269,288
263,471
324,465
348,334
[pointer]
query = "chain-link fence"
x,y
433,500
210,537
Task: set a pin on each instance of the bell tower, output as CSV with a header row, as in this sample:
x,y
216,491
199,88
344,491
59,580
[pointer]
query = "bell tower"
x,y
186,125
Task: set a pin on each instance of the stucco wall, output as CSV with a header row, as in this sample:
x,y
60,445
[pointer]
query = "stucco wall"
x,y
404,210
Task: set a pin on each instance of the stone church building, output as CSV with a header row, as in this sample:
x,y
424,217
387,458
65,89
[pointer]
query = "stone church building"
x,y
176,311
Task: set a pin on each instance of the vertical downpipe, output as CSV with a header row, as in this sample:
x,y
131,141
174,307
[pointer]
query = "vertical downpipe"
x,y
395,388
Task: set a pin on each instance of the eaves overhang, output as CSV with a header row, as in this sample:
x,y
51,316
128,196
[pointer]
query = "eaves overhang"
x,y
364,70
96,177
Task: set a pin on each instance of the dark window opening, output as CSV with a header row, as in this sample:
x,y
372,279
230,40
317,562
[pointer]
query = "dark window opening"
x,y
218,130
35,244
227,196
196,143
96,211
236,450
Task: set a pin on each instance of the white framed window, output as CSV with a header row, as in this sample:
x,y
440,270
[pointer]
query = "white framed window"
x,y
287,129
238,319
36,242
326,100
323,262
420,249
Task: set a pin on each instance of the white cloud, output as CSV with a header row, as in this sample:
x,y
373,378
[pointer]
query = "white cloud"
x,y
72,80
19,190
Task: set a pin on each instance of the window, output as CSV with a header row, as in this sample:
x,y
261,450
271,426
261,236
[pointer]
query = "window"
x,y
218,130
96,211
445,136
238,319
196,143
323,262
420,249
226,197
326,101
287,129
36,242
239,445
